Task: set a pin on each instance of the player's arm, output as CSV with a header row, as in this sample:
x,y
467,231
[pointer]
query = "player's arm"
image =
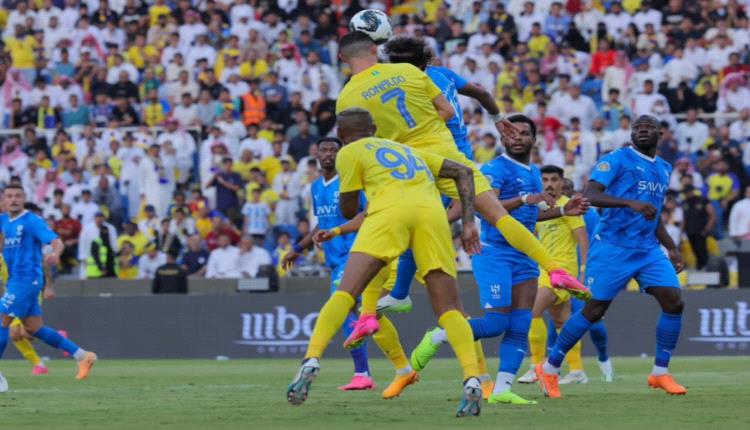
x,y
443,107
711,223
482,96
53,258
674,252
597,197
351,226
543,200
464,178
290,257
576,206
583,246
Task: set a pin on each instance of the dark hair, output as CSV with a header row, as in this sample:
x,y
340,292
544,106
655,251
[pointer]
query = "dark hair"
x,y
409,50
335,140
519,118
549,169
13,186
352,41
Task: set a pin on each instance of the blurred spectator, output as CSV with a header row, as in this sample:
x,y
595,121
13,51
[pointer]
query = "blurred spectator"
x,y
723,187
692,134
170,278
68,229
127,261
223,262
97,248
135,237
251,257
700,220
739,218
150,261
256,216
195,259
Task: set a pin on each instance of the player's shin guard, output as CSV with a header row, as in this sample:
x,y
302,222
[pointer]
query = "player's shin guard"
x,y
513,346
520,237
571,333
462,341
407,267
388,341
54,339
4,334
667,333
359,354
371,294
599,338
330,319
493,324
537,339
26,348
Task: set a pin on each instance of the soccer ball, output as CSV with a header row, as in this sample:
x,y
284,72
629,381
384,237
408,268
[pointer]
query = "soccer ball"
x,y
374,23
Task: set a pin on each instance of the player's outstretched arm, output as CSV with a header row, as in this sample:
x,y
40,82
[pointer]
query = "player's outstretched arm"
x,y
351,226
597,197
291,257
482,96
53,258
674,252
576,206
464,178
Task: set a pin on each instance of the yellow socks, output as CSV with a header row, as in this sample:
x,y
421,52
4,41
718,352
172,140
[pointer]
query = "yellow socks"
x,y
26,348
387,340
520,237
481,362
574,357
371,294
538,340
330,319
461,339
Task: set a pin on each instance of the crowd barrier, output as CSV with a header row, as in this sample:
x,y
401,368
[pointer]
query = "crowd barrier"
x,y
124,321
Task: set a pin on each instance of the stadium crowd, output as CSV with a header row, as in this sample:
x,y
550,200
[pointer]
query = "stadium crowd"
x,y
185,131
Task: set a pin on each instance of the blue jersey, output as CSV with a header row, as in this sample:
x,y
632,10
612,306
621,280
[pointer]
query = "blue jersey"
x,y
513,179
450,83
630,175
23,238
325,199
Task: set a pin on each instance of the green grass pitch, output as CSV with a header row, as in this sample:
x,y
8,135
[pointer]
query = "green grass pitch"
x,y
250,394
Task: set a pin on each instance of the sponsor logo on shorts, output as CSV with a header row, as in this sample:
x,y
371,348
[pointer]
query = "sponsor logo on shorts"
x,y
727,328
280,331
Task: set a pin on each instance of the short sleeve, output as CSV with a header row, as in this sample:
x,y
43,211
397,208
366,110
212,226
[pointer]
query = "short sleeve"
x,y
434,162
457,79
575,222
607,169
494,176
40,230
350,175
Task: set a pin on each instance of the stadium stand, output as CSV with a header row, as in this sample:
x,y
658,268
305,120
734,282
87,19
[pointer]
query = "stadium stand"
x,y
188,127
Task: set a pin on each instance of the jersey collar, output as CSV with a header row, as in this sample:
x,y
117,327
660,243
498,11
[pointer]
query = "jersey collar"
x,y
327,183
525,166
642,155
19,216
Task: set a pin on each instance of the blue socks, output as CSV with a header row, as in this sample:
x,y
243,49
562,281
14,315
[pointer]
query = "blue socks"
x,y
359,355
572,332
667,333
516,339
404,275
493,324
55,340
4,334
598,333
551,335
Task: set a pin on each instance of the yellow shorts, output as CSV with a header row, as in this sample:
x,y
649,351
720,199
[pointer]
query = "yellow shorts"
x,y
562,295
392,273
388,233
446,185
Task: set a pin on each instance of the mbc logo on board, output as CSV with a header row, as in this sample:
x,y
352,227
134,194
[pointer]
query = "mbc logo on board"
x,y
727,328
277,332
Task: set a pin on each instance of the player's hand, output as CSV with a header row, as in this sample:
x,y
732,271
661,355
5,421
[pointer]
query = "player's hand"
x,y
470,238
322,236
49,292
541,200
578,205
507,130
51,259
646,209
676,258
288,261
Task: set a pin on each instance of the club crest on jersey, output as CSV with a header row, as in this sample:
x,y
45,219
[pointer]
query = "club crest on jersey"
x,y
603,167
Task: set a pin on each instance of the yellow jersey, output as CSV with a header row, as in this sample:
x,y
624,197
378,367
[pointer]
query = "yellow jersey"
x,y
557,238
390,174
399,98
21,51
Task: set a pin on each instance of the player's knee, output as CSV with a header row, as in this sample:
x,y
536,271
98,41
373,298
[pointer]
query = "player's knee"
x,y
675,307
594,313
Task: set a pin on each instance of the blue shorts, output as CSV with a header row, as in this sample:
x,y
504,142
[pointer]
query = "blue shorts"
x,y
21,299
609,268
497,270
